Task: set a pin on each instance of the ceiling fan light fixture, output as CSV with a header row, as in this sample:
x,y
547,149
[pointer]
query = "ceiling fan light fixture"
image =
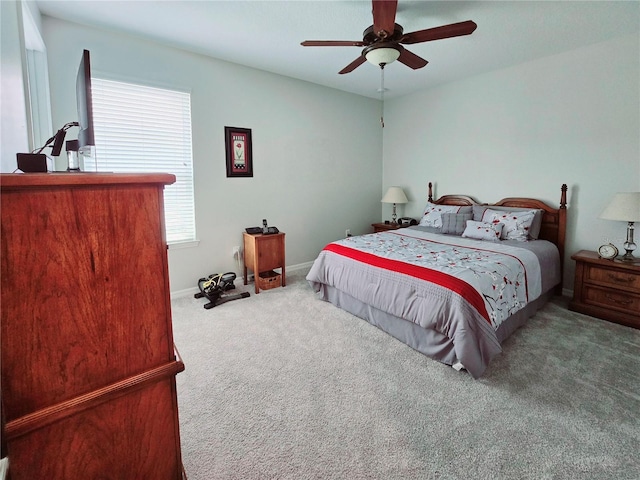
x,y
382,55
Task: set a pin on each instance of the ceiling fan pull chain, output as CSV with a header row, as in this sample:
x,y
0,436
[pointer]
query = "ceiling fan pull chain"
x,y
382,95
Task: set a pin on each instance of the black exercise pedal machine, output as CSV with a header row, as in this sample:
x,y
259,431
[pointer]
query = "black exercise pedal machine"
x,y
215,285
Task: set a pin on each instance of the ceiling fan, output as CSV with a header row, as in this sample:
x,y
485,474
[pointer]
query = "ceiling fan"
x,y
384,39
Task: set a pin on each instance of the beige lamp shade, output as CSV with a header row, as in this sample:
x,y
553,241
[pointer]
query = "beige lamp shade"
x,y
624,207
395,195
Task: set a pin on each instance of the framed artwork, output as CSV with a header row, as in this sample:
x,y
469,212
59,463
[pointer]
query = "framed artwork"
x,y
238,148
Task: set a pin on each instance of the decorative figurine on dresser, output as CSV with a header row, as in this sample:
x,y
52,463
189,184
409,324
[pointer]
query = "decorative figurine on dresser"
x,y
88,360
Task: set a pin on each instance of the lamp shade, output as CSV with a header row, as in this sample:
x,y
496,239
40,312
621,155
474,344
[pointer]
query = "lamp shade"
x,y
382,55
394,195
624,207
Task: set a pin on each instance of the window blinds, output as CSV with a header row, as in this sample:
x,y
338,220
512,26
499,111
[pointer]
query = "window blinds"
x,y
146,129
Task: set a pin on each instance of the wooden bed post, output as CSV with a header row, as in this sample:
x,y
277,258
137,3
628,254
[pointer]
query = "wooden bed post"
x,y
430,192
562,232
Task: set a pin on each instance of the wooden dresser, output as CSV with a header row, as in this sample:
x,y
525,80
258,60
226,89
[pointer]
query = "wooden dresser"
x,y
607,289
88,361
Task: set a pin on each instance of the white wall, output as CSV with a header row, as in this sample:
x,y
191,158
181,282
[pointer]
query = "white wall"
x,y
13,122
523,131
571,118
317,152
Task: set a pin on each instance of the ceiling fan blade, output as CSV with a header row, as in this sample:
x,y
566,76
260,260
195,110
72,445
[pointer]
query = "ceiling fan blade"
x,y
411,59
333,43
353,65
384,17
438,33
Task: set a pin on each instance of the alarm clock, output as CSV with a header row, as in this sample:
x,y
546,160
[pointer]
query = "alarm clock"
x,y
407,221
608,251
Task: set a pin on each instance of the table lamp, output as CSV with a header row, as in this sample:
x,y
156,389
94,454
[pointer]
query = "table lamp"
x,y
394,195
625,207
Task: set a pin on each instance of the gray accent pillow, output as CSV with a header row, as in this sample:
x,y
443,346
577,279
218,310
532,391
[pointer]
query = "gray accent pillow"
x,y
432,216
534,231
455,223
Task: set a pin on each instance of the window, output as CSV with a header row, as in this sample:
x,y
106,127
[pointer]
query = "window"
x,y
146,129
37,84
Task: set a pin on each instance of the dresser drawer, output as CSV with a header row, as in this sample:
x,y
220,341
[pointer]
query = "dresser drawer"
x,y
613,299
613,278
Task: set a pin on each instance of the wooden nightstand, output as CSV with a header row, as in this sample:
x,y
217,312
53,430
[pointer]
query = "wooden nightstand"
x,y
383,227
263,253
607,289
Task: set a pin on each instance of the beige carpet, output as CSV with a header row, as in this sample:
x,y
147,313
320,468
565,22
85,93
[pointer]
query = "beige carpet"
x,y
284,386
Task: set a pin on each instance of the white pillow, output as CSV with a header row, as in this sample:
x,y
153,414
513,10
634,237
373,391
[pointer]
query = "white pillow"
x,y
534,232
516,224
433,213
483,231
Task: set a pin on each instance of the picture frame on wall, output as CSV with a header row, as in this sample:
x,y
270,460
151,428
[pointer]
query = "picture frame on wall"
x,y
238,152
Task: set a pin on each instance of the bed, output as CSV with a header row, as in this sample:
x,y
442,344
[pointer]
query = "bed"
x,y
458,284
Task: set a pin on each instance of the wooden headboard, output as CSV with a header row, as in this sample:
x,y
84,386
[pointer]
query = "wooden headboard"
x,y
452,199
554,220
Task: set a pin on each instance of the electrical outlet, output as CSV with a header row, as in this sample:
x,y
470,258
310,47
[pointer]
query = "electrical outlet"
x,y
347,232
236,251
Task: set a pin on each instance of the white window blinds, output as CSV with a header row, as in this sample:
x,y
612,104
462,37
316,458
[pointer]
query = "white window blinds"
x,y
146,129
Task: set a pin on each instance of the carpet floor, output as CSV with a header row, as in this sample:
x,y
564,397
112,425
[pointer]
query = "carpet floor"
x,y
282,385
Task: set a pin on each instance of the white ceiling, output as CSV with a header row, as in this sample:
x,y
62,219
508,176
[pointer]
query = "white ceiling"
x,y
266,34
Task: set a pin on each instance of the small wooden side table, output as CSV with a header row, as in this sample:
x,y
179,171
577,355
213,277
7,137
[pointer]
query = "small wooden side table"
x,y
383,227
607,289
263,253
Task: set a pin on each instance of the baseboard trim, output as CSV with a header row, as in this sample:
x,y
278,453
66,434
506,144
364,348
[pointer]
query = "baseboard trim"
x,y
292,268
193,290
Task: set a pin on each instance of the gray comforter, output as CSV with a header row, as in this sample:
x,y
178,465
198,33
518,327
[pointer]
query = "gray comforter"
x,y
463,289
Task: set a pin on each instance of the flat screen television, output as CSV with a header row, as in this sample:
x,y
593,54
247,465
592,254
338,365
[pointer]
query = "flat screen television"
x,y
86,140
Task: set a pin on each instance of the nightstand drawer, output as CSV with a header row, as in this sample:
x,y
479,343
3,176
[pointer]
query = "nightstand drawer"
x,y
613,278
614,299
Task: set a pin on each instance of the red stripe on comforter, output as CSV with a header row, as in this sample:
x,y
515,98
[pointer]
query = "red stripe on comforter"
x,y
449,282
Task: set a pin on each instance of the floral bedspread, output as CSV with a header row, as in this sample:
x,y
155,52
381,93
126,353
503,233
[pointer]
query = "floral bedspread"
x,y
497,279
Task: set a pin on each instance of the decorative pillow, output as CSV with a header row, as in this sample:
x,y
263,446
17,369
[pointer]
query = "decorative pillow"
x,y
433,213
455,223
516,224
483,231
534,232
